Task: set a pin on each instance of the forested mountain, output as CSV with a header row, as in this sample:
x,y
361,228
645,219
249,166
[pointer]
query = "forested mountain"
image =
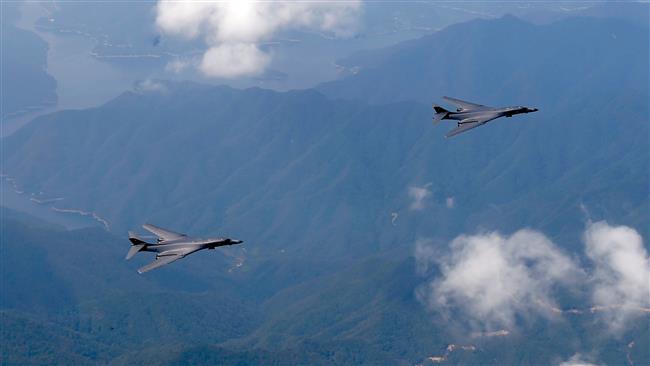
x,y
81,304
68,297
491,61
299,171
329,189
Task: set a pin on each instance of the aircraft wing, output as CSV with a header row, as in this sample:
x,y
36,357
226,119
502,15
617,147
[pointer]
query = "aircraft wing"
x,y
463,105
159,262
462,128
470,123
165,235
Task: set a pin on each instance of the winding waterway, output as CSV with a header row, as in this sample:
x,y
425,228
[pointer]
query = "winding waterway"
x,y
83,81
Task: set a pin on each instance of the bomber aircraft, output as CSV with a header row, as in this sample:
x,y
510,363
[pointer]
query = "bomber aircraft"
x,y
471,115
171,246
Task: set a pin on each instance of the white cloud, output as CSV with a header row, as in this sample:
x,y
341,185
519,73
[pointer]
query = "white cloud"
x,y
494,278
451,202
234,60
425,255
577,360
393,218
233,30
621,277
178,66
419,195
150,86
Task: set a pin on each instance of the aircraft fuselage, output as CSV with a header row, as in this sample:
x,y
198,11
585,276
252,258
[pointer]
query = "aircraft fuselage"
x,y
195,244
493,112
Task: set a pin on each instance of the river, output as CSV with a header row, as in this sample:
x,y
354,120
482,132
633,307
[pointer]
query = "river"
x,y
83,81
12,197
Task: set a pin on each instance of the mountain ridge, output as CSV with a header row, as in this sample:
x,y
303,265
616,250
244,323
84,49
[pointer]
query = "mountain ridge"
x,y
330,194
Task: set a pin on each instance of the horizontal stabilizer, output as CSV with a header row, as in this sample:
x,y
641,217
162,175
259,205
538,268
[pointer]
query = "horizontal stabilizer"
x,y
134,249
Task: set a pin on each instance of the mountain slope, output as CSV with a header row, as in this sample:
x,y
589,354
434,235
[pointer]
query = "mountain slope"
x,y
69,297
321,191
301,173
366,313
505,61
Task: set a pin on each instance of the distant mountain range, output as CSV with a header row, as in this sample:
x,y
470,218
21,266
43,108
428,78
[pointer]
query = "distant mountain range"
x,y
319,184
302,172
494,61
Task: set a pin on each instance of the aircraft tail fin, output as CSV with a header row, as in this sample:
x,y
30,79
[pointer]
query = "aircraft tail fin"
x,y
137,245
441,113
135,239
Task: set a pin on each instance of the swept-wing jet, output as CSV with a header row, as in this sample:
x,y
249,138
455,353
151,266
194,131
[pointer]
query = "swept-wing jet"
x,y
171,246
471,115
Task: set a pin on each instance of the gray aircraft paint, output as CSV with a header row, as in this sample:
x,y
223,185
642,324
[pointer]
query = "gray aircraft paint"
x,y
171,246
471,115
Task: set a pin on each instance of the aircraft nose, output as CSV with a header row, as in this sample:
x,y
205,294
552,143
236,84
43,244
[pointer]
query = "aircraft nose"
x,y
234,241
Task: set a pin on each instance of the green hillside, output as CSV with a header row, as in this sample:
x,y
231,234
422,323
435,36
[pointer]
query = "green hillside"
x,y
317,183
